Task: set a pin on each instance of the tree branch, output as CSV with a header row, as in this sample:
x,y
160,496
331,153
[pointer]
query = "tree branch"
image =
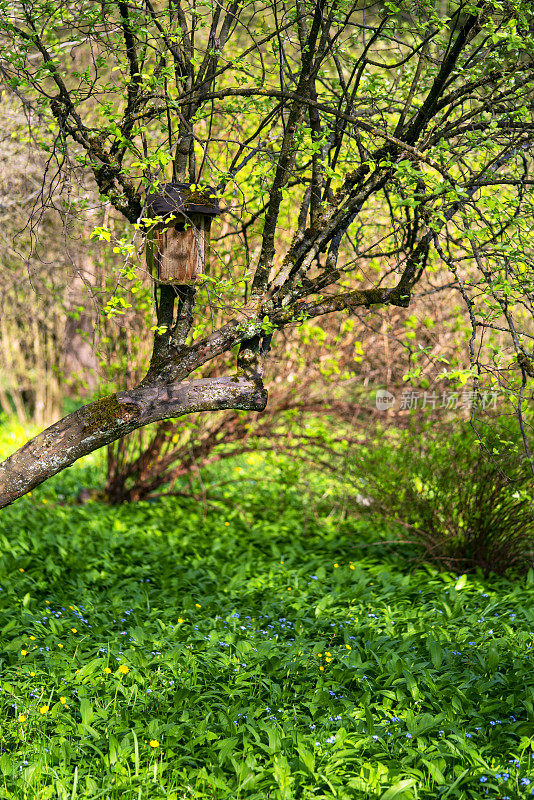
x,y
111,418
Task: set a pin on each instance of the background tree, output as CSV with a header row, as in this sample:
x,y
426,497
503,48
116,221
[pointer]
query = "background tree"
x,y
357,148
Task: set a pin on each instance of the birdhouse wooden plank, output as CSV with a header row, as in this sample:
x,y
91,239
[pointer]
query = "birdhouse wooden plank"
x,y
178,239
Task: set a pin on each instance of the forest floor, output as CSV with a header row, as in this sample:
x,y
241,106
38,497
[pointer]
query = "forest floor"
x,y
257,645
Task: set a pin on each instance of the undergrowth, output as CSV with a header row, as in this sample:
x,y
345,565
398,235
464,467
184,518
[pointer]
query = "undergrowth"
x,y
254,647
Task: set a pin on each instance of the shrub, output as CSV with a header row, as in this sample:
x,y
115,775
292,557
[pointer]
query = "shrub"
x,y
465,500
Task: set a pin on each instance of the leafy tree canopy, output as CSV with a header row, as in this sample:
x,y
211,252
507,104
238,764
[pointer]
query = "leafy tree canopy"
x,y
357,147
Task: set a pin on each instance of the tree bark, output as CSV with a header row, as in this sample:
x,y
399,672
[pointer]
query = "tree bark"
x,y
114,416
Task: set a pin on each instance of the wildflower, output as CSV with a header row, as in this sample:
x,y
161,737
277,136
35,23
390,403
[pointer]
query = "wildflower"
x,y
32,638
483,779
197,605
180,620
331,740
60,645
348,647
226,523
44,709
63,700
154,743
351,566
22,717
74,630
336,566
24,652
289,588
20,569
321,668
32,674
319,655
124,669
409,736
107,670
328,660
524,781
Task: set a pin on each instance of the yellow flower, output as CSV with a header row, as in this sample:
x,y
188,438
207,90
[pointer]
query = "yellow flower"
x,y
327,653
226,523
74,630
32,638
289,588
348,647
32,674
321,668
20,569
180,620
123,669
336,565
63,700
154,743
24,652
59,645
107,670
328,660
22,717
319,655
197,605
351,566
44,709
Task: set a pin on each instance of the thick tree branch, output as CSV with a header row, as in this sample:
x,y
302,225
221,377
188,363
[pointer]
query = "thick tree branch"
x,y
111,418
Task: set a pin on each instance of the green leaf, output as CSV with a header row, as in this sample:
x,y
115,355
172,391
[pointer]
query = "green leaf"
x,y
436,653
398,789
460,583
493,657
435,772
86,711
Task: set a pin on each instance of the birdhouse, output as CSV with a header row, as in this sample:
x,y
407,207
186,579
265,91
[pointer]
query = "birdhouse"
x,y
178,243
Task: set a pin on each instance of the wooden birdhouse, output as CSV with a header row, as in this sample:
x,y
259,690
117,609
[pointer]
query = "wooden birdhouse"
x,y
178,243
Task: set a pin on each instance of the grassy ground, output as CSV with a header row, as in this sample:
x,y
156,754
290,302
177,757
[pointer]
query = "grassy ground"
x,y
256,649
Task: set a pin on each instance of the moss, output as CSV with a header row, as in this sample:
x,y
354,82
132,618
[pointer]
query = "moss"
x,y
199,197
106,412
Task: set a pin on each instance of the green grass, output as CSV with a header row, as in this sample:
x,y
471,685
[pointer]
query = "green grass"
x,y
224,616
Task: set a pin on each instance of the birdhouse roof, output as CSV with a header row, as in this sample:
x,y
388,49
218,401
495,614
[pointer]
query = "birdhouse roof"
x,y
180,198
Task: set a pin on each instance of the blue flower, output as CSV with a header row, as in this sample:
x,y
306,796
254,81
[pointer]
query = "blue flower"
x,y
483,779
409,736
524,781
